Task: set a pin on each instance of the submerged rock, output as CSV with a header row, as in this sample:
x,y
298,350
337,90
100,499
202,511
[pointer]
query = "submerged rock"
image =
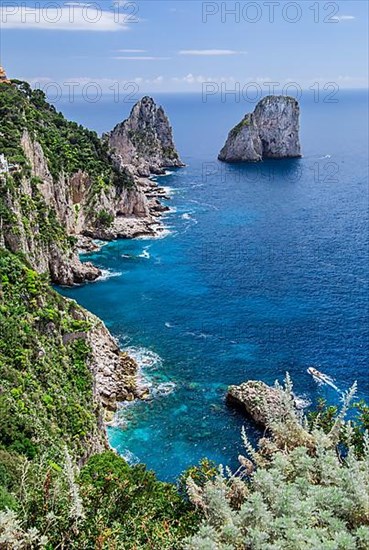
x,y
145,140
270,132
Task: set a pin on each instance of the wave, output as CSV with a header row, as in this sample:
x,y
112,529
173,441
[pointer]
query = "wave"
x,y
145,254
129,457
198,335
150,362
162,233
164,389
144,357
302,402
204,204
166,174
107,274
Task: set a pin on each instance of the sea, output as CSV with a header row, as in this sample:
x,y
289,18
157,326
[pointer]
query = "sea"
x,y
263,269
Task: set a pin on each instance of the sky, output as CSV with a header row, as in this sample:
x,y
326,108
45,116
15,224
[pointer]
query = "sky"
x,y
184,46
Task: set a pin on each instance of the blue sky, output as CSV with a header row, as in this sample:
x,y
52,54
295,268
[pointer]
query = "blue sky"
x,y
178,45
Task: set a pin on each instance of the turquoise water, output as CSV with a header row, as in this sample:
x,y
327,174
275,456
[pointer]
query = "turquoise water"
x,y
264,270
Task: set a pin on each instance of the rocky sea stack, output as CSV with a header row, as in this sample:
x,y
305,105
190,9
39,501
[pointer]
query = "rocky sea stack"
x,y
270,132
145,140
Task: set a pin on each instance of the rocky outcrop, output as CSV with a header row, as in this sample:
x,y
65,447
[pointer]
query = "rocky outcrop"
x,y
145,140
270,132
256,399
115,373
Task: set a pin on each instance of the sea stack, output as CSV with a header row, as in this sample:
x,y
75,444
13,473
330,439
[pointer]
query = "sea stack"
x,y
144,141
270,132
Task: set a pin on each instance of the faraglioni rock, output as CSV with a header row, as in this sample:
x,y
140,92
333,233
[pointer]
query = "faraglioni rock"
x,y
144,142
270,132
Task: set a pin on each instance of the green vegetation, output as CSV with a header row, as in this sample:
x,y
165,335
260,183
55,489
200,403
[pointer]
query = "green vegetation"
x,y
302,489
68,146
246,121
49,425
104,218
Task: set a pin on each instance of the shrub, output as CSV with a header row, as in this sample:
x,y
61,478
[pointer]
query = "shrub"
x,y
295,496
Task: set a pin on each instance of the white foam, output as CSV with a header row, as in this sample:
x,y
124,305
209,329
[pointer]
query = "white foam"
x,y
145,358
129,457
145,254
163,389
301,402
107,274
167,173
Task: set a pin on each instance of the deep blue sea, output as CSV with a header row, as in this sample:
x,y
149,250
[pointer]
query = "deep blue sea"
x,y
264,270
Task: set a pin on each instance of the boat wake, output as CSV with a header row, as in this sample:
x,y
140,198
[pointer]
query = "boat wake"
x,y
321,378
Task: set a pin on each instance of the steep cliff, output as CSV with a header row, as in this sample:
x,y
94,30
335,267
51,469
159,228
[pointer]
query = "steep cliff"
x,y
145,140
65,183
270,132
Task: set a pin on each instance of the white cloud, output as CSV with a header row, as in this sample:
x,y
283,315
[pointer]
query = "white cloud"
x,y
139,58
343,18
210,52
131,51
67,17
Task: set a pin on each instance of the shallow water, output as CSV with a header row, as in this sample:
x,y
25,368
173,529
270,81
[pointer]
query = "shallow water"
x,y
265,270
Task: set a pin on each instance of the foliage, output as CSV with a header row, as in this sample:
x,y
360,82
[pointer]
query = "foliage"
x,y
104,218
46,393
300,495
68,146
324,417
50,426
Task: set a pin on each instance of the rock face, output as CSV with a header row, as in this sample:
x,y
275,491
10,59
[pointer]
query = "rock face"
x,y
270,132
115,372
145,140
257,400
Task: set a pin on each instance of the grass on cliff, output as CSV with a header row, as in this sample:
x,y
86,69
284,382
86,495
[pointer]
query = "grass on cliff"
x,y
59,486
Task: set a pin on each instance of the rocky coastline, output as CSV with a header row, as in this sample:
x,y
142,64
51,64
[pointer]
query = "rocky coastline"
x,y
50,213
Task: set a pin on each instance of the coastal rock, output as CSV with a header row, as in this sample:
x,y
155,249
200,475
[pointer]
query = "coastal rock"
x,y
134,212
256,399
270,132
145,140
114,371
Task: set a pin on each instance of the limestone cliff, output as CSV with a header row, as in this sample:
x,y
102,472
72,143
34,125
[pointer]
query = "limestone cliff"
x,y
145,140
66,186
270,132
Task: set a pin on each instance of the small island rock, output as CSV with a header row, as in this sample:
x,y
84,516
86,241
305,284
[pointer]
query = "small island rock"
x,y
270,132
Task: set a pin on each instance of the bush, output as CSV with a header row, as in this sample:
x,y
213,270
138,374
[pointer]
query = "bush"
x,y
298,496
